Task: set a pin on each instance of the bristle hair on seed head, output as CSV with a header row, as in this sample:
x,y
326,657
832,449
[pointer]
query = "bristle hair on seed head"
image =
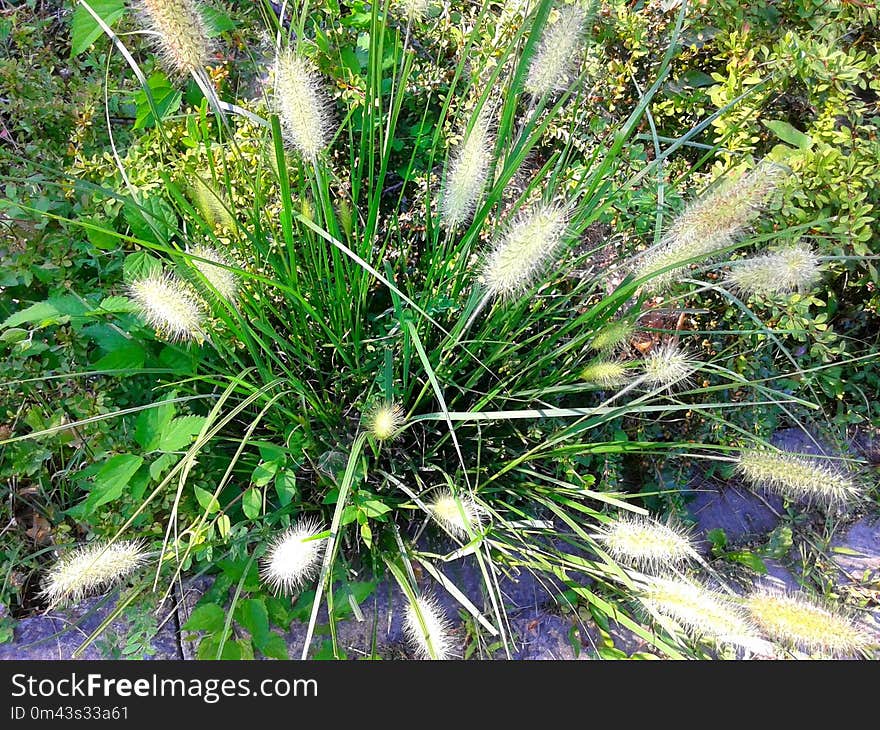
x,y
606,373
293,557
180,34
646,543
708,226
523,249
223,280
560,45
211,205
170,306
799,477
668,365
699,610
468,172
793,268
802,623
301,104
461,515
411,9
427,629
91,568
612,336
385,420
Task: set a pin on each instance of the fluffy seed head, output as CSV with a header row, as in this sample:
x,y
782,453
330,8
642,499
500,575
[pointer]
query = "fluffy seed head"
x,y
667,365
612,336
560,44
412,9
181,34
170,306
798,478
301,105
91,568
427,629
523,250
803,624
646,543
709,225
293,557
460,522
793,268
223,280
606,373
211,206
700,611
385,421
467,173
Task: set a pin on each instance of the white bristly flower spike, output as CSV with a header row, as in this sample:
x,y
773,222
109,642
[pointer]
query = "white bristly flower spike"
x,y
412,9
798,478
427,629
699,610
293,557
467,173
646,543
223,280
91,568
522,251
668,365
301,105
170,306
385,421
801,623
560,44
794,268
460,522
180,34
708,225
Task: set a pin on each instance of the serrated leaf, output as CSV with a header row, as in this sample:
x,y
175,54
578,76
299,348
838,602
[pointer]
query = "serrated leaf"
x,y
46,313
180,432
116,305
113,477
153,219
165,96
252,614
251,503
139,265
274,647
152,422
207,617
161,465
84,29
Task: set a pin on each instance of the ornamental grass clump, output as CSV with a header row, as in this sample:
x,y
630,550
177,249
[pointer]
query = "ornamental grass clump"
x,y
170,306
799,478
645,543
90,569
523,249
293,557
793,268
708,226
427,629
301,104
800,623
180,34
550,69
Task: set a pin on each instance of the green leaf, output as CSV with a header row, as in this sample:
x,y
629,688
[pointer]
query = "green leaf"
x,y
101,238
748,558
285,486
251,503
374,508
131,357
180,432
113,477
274,647
166,98
140,265
152,423
153,220
264,473
207,500
252,614
207,617
789,134
43,314
84,29
217,21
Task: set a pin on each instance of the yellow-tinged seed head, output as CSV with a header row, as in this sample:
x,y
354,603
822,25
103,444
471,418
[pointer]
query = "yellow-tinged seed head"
x,y
646,543
91,568
793,268
606,373
411,9
803,624
300,103
798,478
467,173
462,521
700,611
293,557
708,225
181,34
427,629
560,44
667,365
170,306
612,336
523,249
223,280
211,206
385,421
